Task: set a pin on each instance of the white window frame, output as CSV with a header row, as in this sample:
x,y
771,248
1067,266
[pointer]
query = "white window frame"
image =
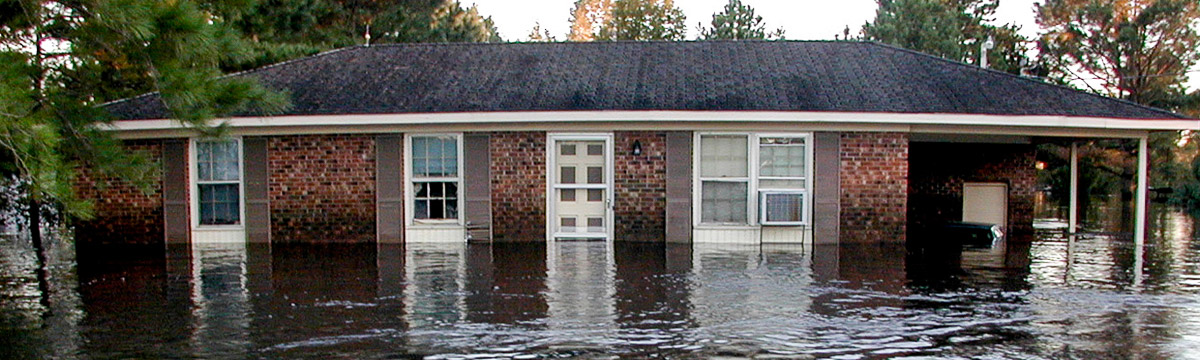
x,y
410,189
753,195
803,191
194,171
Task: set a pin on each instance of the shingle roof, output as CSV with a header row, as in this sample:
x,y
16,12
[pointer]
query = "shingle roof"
x,y
702,75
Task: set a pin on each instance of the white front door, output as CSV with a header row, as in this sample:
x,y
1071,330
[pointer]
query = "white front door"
x,y
581,187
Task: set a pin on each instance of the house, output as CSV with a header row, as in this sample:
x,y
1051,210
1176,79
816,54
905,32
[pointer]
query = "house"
x,y
722,141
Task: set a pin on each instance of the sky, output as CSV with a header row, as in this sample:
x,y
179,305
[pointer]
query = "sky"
x,y
800,19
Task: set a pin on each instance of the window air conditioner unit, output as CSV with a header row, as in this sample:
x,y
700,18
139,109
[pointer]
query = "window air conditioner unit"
x,y
783,207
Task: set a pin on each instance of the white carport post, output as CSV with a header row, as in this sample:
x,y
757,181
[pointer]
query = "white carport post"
x,y
1139,223
1073,209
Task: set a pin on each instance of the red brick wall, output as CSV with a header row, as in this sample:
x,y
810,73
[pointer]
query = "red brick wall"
x,y
322,188
874,184
518,186
940,169
641,186
123,213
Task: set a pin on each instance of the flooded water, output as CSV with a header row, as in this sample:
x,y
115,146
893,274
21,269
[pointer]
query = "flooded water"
x,y
1056,297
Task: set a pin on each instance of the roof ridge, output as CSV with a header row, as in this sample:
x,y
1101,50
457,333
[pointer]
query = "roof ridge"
x,y
599,42
1023,78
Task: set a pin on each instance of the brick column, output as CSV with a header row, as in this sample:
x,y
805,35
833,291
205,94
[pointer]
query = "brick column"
x,y
874,187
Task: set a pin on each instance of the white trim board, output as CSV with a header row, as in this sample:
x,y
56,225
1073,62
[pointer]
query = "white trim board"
x,y
606,118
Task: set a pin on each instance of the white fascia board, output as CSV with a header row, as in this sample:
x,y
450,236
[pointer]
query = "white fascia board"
x,y
600,117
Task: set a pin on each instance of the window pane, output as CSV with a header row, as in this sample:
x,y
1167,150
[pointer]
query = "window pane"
x,y
568,195
568,175
723,202
449,157
723,156
451,190
422,190
595,225
421,209
595,195
219,204
595,175
419,144
781,184
784,161
595,149
568,149
451,209
437,209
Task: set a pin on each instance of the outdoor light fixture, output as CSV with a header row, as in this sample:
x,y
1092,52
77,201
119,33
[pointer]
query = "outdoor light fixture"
x,y
637,147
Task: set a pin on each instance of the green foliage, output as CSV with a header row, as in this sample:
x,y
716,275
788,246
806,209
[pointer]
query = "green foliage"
x,y
1135,50
953,29
644,20
285,29
1140,51
587,17
738,22
64,58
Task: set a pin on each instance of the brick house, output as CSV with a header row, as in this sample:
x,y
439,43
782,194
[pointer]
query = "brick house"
x,y
817,142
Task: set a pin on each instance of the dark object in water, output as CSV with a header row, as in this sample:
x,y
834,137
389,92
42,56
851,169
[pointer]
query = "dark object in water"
x,y
972,234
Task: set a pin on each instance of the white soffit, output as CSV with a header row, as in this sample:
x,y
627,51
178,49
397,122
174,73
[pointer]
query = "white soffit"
x,y
600,117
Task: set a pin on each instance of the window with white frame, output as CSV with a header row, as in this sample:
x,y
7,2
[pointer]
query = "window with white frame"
x,y
436,177
724,179
753,178
782,180
219,182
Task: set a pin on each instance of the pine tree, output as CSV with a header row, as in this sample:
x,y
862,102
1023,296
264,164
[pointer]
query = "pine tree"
x,y
284,29
63,59
953,29
738,22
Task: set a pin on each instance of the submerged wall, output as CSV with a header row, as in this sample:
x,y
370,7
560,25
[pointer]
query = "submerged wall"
x,y
641,186
938,171
518,185
124,214
874,179
321,188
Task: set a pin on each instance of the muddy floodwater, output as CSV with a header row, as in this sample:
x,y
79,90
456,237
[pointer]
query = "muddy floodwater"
x,y
1054,297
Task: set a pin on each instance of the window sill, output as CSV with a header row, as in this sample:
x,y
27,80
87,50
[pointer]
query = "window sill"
x,y
218,227
446,225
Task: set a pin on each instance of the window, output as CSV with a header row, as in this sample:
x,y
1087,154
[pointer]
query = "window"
x,y
219,182
724,179
782,177
435,177
741,184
